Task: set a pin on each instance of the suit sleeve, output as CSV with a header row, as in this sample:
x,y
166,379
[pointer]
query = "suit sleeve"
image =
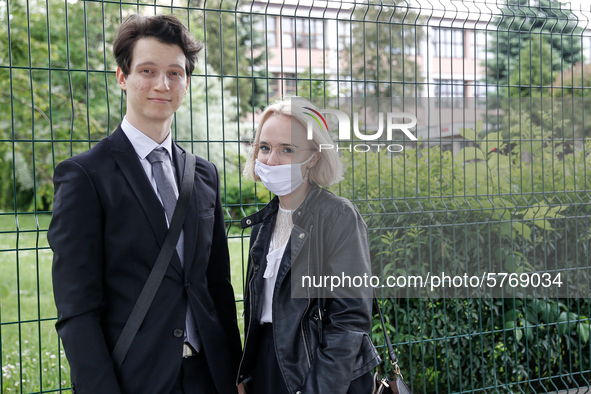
x,y
76,237
349,318
220,285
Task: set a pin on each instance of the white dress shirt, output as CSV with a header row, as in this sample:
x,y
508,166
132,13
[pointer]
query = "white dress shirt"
x,y
143,146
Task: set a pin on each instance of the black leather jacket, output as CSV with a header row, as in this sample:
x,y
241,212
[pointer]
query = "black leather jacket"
x,y
322,344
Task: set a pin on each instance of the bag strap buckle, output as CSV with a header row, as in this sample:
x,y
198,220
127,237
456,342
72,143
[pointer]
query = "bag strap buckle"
x,y
397,370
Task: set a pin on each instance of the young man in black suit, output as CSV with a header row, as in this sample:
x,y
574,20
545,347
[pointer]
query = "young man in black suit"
x,y
112,209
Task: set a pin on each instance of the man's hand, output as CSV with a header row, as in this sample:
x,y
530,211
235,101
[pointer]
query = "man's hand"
x,y
241,389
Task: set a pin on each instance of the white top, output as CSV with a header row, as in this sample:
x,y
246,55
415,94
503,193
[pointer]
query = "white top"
x,y
281,233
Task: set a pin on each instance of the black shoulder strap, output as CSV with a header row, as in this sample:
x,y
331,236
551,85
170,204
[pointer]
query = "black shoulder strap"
x,y
157,274
391,352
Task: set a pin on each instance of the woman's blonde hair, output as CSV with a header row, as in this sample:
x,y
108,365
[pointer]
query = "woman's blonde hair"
x,y
329,168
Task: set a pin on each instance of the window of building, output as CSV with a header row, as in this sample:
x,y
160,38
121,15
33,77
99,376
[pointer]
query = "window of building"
x,y
271,32
344,33
303,32
449,93
287,35
481,92
480,44
270,29
281,84
448,43
289,83
274,86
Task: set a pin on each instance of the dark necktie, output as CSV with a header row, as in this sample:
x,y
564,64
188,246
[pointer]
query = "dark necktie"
x,y
163,181
166,191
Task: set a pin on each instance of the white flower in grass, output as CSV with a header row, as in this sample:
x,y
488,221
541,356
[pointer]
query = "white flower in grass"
x,y
7,371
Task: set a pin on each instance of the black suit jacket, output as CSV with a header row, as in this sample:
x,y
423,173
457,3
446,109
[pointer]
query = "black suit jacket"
x,y
107,229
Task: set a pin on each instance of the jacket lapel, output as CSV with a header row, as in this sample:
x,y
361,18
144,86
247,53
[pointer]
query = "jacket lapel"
x,y
192,220
126,157
178,158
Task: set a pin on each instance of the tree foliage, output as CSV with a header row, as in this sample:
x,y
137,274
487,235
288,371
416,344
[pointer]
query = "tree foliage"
x,y
531,43
533,77
235,49
379,57
55,93
60,96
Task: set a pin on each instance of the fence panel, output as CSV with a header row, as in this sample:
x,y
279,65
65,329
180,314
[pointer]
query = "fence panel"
x,y
497,180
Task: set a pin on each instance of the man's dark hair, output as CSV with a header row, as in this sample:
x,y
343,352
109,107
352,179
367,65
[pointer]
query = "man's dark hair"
x,y
167,29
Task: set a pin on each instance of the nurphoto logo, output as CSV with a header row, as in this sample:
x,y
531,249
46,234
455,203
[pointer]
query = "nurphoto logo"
x,y
392,121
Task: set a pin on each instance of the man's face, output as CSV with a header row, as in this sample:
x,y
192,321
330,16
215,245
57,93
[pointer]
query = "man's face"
x,y
156,84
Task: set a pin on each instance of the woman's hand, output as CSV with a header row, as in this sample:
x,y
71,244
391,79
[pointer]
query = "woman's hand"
x,y
241,389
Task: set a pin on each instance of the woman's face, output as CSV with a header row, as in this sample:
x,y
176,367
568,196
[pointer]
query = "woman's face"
x,y
284,142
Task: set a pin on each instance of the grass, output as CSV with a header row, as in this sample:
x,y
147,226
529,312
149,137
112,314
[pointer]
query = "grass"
x,y
31,357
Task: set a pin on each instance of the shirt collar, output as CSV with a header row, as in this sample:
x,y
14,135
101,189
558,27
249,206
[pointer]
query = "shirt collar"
x,y
143,144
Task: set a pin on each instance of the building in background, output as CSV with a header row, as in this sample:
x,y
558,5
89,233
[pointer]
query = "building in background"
x,y
307,41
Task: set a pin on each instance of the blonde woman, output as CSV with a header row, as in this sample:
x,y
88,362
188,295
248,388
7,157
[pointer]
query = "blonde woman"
x,y
307,345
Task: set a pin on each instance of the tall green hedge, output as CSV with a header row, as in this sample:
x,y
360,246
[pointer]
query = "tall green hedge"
x,y
519,200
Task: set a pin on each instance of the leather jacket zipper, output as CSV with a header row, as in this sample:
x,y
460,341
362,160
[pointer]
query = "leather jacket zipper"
x,y
249,319
308,306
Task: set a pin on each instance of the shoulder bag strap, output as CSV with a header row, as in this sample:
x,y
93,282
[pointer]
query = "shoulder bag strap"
x,y
146,297
391,352
397,385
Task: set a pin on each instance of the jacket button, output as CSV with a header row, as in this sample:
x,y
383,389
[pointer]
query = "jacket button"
x,y
300,213
178,333
298,392
302,235
187,284
248,221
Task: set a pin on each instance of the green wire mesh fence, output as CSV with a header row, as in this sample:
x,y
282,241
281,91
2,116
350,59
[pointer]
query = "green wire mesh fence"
x,y
499,176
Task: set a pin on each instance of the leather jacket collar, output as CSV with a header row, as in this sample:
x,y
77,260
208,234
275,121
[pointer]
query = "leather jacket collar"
x,y
271,208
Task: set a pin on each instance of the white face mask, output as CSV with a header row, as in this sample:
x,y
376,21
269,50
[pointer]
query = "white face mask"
x,y
282,179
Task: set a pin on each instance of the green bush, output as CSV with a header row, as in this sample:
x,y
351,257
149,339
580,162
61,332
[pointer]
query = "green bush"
x,y
484,207
241,198
509,345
